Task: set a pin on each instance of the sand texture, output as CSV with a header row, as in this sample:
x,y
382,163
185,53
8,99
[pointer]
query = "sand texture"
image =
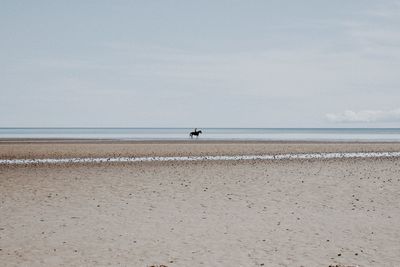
x,y
71,149
245,213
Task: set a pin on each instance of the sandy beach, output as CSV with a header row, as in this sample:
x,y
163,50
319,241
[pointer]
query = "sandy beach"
x,y
47,148
343,212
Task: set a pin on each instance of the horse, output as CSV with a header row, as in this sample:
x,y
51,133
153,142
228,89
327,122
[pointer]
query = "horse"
x,y
196,133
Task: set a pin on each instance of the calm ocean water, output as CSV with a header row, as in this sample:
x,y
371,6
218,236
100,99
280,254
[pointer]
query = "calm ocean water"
x,y
274,134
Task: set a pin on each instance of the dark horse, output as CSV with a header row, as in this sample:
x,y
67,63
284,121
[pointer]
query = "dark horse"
x,y
196,133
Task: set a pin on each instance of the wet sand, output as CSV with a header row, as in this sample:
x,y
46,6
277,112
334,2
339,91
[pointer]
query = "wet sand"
x,y
220,213
35,149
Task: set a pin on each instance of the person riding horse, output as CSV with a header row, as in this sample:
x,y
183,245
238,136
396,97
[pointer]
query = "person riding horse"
x,y
195,132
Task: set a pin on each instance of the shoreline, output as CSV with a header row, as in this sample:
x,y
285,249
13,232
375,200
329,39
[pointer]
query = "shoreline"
x,y
190,141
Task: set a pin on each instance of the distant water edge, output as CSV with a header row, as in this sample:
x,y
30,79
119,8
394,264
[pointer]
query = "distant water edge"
x,y
266,134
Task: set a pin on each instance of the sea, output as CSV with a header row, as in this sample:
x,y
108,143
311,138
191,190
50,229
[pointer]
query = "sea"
x,y
255,134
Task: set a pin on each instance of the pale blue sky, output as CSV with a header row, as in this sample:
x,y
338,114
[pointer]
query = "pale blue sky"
x,y
200,63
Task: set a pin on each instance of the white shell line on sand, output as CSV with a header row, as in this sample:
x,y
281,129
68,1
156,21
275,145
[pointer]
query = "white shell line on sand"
x,y
204,158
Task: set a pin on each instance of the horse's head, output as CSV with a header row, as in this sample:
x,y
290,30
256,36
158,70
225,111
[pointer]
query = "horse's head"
x,y
200,131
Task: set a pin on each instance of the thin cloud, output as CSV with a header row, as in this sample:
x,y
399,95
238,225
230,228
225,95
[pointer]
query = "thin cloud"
x,y
365,116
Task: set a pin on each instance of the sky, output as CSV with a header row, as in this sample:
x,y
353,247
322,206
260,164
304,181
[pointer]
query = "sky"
x,y
315,63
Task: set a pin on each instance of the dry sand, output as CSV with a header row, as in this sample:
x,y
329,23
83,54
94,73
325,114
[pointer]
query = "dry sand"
x,y
250,213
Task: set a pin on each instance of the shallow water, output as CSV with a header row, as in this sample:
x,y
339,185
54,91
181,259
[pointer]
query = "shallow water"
x,y
273,134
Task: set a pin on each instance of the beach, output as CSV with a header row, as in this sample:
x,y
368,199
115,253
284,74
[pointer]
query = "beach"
x,y
70,148
310,212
